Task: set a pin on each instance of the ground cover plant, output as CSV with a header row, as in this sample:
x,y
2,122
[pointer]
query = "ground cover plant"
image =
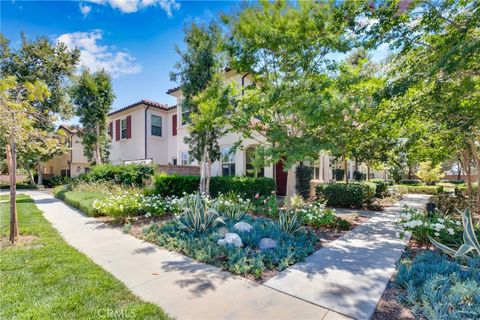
x,y
44,278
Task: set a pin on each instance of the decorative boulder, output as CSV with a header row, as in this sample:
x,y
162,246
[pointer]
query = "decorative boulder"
x,y
231,238
243,226
267,244
222,231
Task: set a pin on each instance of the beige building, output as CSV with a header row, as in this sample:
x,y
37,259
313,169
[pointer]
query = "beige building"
x,y
151,132
73,162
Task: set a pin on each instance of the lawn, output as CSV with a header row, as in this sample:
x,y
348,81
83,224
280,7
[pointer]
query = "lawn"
x,y
42,277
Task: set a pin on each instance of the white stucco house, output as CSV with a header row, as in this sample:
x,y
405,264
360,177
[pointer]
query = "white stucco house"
x,y
151,132
73,162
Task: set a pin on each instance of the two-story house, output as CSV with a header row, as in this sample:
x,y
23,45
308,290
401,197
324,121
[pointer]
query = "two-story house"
x,y
73,162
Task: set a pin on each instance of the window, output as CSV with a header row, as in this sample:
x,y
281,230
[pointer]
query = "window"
x,y
185,114
185,159
254,159
315,165
156,126
123,128
228,161
65,173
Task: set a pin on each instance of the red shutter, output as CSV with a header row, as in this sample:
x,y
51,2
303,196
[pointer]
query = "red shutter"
x,y
174,125
129,127
117,130
110,130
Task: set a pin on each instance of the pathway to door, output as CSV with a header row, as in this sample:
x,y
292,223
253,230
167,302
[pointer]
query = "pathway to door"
x,y
347,277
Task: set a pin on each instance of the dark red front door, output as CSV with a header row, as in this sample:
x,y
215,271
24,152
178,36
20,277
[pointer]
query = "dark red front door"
x,y
281,179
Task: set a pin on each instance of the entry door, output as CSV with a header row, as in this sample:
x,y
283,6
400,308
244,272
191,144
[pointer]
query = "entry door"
x,y
281,179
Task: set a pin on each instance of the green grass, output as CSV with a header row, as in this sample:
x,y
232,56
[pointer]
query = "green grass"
x,y
82,200
48,279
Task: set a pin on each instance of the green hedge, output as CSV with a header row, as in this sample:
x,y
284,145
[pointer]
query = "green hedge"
x,y
420,189
19,186
353,194
411,182
382,187
168,185
80,200
128,174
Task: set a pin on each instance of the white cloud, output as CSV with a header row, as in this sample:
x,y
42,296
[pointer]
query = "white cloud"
x,y
96,57
85,9
129,6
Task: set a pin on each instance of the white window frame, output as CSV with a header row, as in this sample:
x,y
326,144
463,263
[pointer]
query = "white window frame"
x,y
227,158
123,129
152,125
185,158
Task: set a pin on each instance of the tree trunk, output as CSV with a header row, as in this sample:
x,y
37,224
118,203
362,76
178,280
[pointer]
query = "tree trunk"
x,y
98,157
40,173
459,174
203,171
368,172
30,175
209,175
476,157
410,172
356,164
12,164
290,187
345,169
467,169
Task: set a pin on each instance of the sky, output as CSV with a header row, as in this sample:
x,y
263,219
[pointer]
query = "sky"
x,y
133,39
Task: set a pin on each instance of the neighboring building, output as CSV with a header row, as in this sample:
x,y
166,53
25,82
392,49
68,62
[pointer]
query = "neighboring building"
x,y
151,132
73,162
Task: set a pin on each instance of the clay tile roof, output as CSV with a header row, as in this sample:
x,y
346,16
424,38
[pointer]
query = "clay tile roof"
x,y
146,102
173,90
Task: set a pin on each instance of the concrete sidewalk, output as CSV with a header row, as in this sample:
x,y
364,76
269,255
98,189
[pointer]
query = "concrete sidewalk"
x,y
182,287
350,274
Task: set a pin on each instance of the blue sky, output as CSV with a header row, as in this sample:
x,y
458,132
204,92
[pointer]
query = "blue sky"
x,y
132,39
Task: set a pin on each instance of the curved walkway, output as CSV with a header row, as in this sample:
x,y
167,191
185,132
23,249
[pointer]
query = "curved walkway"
x,y
350,274
347,277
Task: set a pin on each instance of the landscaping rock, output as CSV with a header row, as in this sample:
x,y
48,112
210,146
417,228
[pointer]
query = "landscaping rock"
x,y
243,226
267,244
231,238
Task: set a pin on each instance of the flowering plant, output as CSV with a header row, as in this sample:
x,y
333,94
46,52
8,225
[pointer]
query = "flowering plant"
x,y
421,225
119,206
317,215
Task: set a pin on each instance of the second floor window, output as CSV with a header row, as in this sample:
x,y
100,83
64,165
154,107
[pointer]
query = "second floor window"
x,y
185,114
123,128
156,126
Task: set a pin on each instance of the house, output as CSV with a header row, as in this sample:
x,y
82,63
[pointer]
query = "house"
x,y
151,132
73,162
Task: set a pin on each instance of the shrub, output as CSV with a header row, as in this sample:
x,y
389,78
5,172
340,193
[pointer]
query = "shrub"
x,y
303,175
129,174
56,181
381,189
119,206
346,195
19,186
449,202
429,172
266,205
288,222
359,176
420,189
317,216
249,187
80,200
411,182
232,206
453,181
339,174
438,288
156,205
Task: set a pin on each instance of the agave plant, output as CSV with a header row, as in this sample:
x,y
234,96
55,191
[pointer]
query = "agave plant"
x,y
289,222
470,245
197,216
234,212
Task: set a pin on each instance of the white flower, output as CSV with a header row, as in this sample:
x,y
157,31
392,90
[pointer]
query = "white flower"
x,y
450,231
458,223
437,234
441,220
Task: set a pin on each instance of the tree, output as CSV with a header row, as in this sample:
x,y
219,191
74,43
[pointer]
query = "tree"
x,y
93,96
17,117
52,64
286,49
435,72
205,98
429,173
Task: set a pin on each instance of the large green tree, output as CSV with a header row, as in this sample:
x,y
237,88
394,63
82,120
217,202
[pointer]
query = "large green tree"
x,y
205,98
434,72
93,96
53,65
288,49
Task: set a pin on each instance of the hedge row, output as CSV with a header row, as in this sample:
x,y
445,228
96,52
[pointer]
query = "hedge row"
x,y
175,185
382,187
411,182
420,189
128,174
353,194
80,200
